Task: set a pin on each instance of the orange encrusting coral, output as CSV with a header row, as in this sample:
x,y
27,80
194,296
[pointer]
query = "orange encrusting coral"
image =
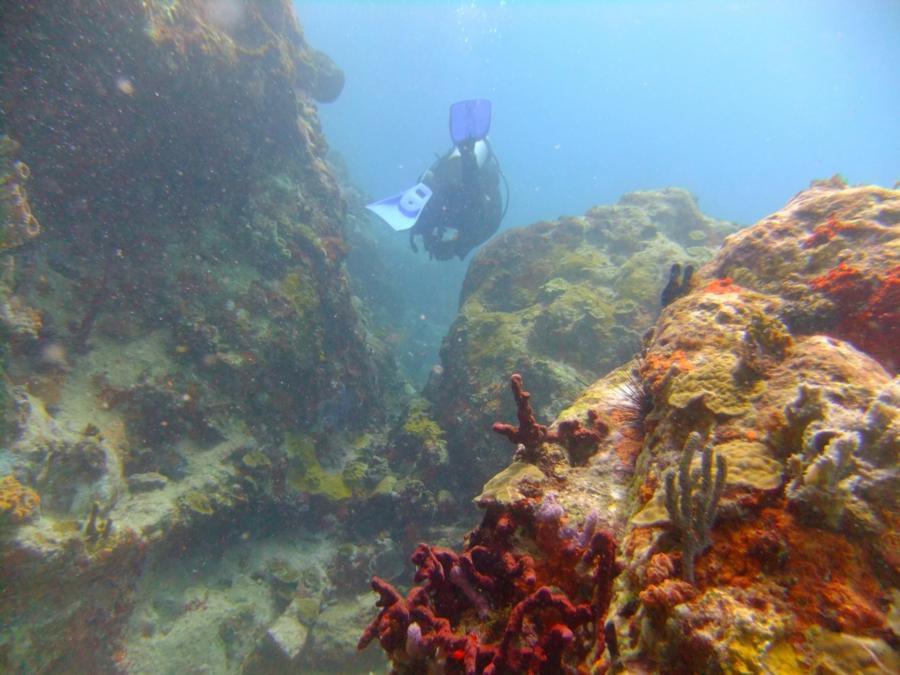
x,y
869,309
723,285
827,581
639,538
647,488
656,366
17,502
630,439
846,285
826,231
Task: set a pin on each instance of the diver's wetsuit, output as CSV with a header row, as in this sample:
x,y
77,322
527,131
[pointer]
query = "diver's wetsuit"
x,y
465,208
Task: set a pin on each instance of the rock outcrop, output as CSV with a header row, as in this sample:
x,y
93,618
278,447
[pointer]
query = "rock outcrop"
x,y
181,354
561,303
746,462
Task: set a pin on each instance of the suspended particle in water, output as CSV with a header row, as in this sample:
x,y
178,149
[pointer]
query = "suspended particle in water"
x,y
125,85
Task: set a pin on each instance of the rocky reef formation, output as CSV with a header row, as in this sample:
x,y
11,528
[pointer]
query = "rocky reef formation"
x,y
561,303
746,463
181,353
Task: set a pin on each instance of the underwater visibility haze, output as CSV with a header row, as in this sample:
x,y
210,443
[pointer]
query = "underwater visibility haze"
x,y
449,337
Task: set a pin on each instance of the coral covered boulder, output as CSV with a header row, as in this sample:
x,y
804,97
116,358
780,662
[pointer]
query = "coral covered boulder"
x,y
832,254
801,555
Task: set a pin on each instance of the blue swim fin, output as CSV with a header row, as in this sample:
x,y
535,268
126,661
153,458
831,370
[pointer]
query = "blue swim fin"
x,y
403,210
470,120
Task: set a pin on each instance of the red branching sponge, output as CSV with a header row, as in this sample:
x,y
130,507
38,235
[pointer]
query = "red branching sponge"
x,y
602,553
580,441
392,621
529,433
543,607
490,610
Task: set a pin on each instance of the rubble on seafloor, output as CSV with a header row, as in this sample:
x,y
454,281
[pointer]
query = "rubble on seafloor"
x,y
795,563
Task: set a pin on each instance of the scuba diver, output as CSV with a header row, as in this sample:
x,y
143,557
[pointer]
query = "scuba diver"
x,y
456,205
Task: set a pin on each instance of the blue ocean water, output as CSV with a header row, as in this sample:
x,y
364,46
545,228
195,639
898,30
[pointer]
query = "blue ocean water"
x,y
743,103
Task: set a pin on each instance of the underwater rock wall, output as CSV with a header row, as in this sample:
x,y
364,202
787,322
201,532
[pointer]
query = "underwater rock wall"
x,y
181,351
561,303
745,464
182,183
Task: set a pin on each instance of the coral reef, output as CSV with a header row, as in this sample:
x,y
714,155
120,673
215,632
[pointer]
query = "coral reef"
x,y
206,452
743,361
839,242
183,317
774,550
559,303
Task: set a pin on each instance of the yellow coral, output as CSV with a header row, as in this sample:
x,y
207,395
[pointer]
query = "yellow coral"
x,y
506,487
750,463
770,334
17,502
712,380
306,474
420,424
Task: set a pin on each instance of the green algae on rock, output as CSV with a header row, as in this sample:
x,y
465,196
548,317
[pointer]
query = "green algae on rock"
x,y
306,473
